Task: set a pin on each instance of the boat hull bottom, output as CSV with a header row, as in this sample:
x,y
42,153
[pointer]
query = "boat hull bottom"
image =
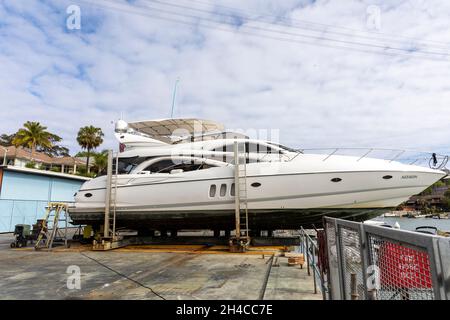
x,y
224,219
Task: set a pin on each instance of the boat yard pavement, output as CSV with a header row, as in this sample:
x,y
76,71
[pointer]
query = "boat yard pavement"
x,y
130,273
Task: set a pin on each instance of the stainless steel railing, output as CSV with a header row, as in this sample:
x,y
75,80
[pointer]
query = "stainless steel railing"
x,y
411,157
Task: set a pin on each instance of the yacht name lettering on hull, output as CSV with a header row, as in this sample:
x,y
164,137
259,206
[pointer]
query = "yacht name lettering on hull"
x,y
409,177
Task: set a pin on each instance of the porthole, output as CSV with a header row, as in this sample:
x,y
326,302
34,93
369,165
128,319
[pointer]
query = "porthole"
x,y
336,180
387,177
223,190
256,184
212,190
88,195
232,191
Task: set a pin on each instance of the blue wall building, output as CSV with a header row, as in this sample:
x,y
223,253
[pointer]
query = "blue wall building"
x,y
24,193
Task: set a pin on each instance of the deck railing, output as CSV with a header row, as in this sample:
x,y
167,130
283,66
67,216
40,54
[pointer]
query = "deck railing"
x,y
411,157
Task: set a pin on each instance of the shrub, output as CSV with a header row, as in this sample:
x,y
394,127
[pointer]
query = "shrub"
x,y
31,165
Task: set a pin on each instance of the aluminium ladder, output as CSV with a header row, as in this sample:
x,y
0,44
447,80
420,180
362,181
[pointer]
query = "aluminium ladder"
x,y
241,200
111,196
56,213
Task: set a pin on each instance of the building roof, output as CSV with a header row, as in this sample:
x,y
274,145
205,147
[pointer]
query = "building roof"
x,y
69,161
21,153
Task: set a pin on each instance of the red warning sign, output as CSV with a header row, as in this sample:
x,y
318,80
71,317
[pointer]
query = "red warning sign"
x,y
403,267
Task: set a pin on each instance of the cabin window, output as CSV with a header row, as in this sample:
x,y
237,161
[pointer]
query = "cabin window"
x,y
257,148
336,180
166,166
223,190
212,190
224,148
232,190
387,177
249,147
160,166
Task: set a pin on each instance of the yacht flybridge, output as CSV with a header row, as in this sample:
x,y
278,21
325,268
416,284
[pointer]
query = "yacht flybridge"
x,y
180,174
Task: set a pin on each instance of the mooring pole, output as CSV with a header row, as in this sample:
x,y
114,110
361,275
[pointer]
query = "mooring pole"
x,y
108,193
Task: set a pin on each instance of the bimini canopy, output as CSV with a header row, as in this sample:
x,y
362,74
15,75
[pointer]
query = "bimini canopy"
x,y
175,127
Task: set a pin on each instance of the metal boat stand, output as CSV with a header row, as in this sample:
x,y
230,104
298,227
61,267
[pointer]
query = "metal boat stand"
x,y
110,240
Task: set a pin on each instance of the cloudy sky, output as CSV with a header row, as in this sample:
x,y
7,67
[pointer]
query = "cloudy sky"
x,y
352,73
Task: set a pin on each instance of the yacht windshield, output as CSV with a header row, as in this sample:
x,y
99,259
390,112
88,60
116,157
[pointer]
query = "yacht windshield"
x,y
168,165
126,165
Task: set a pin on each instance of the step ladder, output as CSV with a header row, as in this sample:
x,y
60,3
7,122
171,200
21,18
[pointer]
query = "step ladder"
x,y
56,213
241,199
113,197
111,200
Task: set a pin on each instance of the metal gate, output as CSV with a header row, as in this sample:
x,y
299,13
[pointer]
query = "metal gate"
x,y
372,262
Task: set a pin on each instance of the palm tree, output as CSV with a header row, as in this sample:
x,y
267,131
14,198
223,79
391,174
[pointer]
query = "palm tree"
x,y
101,161
89,138
55,150
32,135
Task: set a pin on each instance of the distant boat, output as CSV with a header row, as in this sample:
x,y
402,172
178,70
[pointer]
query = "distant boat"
x,y
433,231
391,215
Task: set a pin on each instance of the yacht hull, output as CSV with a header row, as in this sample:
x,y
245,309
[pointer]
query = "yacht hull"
x,y
280,201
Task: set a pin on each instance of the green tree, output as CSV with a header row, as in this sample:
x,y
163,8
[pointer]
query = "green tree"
x,y
54,150
431,188
89,138
101,161
32,135
81,154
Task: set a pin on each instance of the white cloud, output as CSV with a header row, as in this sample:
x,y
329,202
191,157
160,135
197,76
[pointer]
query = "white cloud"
x,y
317,96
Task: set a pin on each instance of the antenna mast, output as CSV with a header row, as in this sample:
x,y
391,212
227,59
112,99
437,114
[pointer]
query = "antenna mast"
x,y
174,96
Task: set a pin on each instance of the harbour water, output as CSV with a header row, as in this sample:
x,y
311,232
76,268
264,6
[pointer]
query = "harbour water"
x,y
412,224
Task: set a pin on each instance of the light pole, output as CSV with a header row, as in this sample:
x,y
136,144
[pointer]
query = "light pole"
x,y
4,157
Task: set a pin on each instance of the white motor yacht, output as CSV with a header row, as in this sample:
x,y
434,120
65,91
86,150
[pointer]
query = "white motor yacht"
x,y
178,174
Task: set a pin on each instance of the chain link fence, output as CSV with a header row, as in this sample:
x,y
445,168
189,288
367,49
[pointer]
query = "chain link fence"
x,y
351,261
379,263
